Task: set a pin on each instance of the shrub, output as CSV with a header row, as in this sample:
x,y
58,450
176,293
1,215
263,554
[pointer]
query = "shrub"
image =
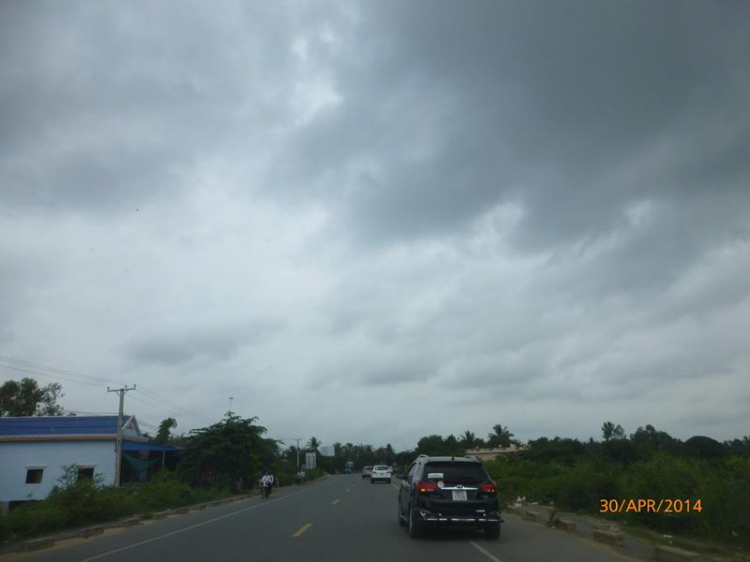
x,y
4,530
313,474
35,519
584,486
165,490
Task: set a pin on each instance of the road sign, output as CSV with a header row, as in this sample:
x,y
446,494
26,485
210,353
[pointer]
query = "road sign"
x,y
309,461
327,451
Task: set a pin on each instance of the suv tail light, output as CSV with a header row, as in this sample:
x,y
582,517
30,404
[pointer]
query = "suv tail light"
x,y
426,487
488,488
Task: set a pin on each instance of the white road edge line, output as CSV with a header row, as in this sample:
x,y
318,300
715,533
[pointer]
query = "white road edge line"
x,y
177,532
485,552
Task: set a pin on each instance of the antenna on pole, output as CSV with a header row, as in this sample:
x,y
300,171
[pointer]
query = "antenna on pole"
x,y
230,403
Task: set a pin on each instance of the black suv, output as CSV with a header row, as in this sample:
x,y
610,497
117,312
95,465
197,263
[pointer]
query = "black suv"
x,y
448,492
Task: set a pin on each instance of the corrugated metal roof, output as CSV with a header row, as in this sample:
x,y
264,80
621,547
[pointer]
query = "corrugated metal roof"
x,y
61,425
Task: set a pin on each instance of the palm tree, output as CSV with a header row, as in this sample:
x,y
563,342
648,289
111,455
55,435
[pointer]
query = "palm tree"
x,y
313,444
500,436
469,439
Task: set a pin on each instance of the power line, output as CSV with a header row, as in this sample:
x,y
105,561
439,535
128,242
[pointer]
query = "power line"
x,y
175,406
167,410
58,370
98,382
58,377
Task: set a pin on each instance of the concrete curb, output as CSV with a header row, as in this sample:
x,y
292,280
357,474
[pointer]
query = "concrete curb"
x,y
609,537
672,554
36,544
90,532
129,522
565,525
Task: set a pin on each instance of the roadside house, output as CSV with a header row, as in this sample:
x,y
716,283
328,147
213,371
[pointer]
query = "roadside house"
x,y
35,450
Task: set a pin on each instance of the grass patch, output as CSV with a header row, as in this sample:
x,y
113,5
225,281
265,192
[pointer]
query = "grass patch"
x,y
83,502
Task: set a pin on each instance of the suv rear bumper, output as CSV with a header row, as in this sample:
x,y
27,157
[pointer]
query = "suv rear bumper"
x,y
440,519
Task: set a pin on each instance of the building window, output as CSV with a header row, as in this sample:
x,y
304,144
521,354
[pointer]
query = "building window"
x,y
86,472
34,475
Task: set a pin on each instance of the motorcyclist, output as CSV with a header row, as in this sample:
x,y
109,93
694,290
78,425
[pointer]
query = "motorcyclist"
x,y
266,482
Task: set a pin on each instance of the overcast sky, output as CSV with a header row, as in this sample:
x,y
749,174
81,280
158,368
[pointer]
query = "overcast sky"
x,y
373,221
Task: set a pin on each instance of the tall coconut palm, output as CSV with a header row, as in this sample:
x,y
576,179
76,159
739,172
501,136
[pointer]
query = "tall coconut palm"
x,y
313,444
469,439
500,436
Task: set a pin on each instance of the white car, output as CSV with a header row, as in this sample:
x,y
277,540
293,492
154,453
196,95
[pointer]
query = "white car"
x,y
380,472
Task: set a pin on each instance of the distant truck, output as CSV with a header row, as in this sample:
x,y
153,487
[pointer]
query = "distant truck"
x,y
349,467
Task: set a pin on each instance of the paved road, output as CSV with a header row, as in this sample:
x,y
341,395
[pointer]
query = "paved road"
x,y
343,518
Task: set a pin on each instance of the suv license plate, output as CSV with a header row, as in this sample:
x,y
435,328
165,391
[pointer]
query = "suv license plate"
x,y
459,495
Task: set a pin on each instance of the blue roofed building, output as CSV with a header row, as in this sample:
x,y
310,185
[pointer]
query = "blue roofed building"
x,y
34,452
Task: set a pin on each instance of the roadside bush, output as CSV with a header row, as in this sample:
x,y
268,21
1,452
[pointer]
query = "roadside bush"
x,y
79,502
523,478
665,477
87,501
34,519
725,491
313,474
165,490
720,484
284,477
4,530
582,487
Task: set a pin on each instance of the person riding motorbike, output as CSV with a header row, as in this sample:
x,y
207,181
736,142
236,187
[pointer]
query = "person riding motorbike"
x,y
266,483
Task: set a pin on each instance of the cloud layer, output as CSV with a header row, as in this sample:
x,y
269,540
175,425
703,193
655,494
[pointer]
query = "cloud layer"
x,y
449,215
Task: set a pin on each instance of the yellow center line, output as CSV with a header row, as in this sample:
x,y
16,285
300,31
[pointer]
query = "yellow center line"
x,y
302,529
335,502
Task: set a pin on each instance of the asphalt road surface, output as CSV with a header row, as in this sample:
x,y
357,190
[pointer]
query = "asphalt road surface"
x,y
341,519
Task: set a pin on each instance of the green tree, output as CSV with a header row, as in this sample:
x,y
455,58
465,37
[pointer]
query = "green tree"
x,y
27,398
165,427
229,453
469,440
500,436
611,431
313,444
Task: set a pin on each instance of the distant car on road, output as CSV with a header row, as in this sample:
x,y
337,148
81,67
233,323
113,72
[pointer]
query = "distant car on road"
x,y
380,472
366,472
443,492
349,467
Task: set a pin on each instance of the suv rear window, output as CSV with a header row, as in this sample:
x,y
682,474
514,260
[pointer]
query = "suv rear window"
x,y
458,472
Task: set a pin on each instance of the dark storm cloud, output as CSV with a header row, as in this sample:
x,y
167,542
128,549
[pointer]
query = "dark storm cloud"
x,y
172,347
521,207
104,105
553,106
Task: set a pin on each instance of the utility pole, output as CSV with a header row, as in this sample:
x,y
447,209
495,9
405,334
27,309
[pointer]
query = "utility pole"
x,y
298,440
118,462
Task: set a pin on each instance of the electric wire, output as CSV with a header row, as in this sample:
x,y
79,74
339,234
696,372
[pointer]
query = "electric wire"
x,y
60,371
57,377
98,382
